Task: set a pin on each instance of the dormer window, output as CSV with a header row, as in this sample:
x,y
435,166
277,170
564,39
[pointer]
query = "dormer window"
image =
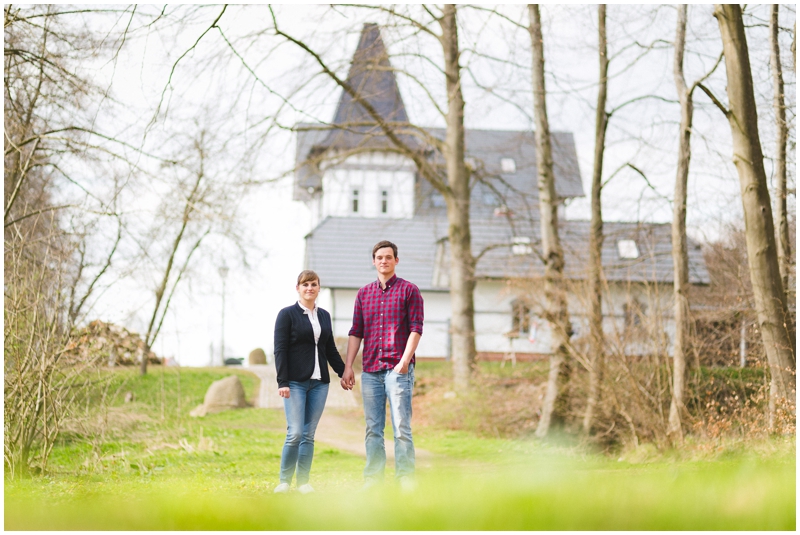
x,y
627,249
521,245
508,165
384,202
355,201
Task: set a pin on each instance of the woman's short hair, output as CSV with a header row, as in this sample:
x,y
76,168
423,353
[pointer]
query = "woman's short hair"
x,y
306,276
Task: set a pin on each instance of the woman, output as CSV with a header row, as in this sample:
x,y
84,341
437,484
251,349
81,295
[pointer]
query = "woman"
x,y
304,347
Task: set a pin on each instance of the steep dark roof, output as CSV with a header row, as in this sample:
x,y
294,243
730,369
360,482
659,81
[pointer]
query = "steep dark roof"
x,y
339,249
372,78
353,128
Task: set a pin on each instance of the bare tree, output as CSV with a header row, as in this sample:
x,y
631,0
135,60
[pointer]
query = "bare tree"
x,y
451,180
462,281
596,336
765,275
161,305
555,295
44,125
784,245
680,255
204,204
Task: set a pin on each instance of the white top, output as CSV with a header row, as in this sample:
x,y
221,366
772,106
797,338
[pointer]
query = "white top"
x,y
312,317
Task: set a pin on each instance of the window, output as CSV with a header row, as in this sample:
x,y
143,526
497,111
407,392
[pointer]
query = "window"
x,y
627,249
437,200
634,313
355,201
520,317
521,245
384,202
508,165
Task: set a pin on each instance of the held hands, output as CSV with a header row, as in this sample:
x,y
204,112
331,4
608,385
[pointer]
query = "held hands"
x,y
348,379
284,392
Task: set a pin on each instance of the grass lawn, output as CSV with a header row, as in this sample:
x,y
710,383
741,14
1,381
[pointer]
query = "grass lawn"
x,y
147,465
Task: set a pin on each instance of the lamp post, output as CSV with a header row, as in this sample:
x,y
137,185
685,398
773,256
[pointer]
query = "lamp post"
x,y
223,272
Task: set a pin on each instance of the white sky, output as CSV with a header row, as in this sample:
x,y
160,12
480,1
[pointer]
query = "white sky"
x,y
210,83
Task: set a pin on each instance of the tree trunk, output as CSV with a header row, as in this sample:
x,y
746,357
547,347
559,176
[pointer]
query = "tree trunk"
x,y
762,256
553,408
680,255
462,262
784,245
597,338
152,328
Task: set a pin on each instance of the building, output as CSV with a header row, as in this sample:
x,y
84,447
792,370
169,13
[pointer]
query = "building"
x,y
361,190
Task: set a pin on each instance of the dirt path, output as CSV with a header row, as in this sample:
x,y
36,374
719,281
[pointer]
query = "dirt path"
x,y
342,424
344,430
268,397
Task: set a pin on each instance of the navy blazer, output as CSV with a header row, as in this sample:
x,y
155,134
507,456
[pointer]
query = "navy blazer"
x,y
294,346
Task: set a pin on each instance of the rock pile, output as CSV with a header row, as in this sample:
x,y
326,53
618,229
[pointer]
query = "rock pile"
x,y
109,344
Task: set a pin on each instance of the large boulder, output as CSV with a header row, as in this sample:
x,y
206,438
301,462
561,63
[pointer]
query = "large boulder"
x,y
222,395
257,356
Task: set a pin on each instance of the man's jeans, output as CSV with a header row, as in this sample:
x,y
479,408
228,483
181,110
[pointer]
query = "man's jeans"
x,y
303,410
375,389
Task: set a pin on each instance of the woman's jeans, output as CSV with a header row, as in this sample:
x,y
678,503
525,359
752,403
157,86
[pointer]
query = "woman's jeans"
x,y
376,388
303,410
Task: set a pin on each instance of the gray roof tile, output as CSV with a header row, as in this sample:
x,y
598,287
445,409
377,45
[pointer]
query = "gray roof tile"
x,y
340,250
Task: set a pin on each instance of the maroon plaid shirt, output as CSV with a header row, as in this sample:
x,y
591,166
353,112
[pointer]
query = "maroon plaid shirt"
x,y
385,319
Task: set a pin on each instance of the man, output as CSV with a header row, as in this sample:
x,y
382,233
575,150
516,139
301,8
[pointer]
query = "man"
x,y
388,316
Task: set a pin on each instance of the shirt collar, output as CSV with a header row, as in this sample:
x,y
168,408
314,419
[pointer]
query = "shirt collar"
x,y
389,283
307,310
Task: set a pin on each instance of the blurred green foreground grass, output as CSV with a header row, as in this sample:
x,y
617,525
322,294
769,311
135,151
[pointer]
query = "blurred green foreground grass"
x,y
166,471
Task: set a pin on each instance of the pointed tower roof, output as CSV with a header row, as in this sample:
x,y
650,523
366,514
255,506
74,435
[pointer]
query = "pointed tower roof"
x,y
372,77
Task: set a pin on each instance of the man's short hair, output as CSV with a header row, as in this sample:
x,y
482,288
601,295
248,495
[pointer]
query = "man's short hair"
x,y
306,276
381,245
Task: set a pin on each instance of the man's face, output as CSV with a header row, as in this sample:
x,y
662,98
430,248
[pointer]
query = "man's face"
x,y
385,261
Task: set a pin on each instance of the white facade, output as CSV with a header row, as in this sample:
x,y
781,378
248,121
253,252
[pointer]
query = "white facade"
x,y
376,185
370,185
494,319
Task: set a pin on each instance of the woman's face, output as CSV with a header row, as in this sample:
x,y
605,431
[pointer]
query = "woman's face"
x,y
308,290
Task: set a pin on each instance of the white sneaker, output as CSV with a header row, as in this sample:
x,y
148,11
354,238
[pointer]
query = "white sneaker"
x,y
407,484
305,489
283,488
370,483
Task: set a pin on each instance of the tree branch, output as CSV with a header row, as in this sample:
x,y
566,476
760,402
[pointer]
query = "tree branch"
x,y
716,102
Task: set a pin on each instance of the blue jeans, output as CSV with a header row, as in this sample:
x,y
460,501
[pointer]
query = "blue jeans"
x,y
303,410
375,389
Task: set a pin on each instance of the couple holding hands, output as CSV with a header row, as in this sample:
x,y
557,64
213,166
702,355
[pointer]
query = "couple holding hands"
x,y
387,317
